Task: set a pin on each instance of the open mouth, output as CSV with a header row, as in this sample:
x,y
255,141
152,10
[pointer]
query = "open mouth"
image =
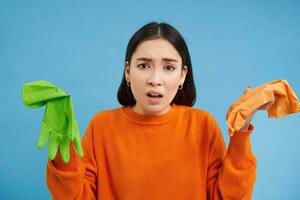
x,y
154,95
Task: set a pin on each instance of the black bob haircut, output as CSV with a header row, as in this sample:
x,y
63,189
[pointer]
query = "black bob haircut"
x,y
187,95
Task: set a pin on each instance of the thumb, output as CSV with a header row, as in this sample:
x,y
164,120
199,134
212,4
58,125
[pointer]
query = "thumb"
x,y
248,89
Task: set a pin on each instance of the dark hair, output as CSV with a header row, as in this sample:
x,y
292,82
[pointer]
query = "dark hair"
x,y
185,96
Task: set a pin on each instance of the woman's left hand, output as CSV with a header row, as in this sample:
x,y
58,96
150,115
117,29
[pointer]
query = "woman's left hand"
x,y
248,121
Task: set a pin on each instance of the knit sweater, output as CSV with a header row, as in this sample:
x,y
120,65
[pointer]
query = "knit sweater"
x,y
178,155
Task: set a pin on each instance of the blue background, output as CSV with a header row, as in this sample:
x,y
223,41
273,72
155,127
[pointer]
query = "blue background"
x,y
80,47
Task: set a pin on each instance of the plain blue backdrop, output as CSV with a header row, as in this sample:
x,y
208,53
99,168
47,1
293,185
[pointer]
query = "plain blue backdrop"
x,y
80,47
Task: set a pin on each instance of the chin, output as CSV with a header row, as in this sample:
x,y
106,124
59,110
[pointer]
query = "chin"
x,y
156,108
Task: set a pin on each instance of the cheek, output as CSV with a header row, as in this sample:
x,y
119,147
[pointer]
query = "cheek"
x,y
138,78
172,87
173,82
137,84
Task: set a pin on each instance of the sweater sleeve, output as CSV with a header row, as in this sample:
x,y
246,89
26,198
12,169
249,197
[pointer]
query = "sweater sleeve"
x,y
231,175
78,178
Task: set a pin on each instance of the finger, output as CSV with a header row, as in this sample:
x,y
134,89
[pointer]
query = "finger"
x,y
76,139
248,121
75,129
71,120
44,134
248,89
52,145
77,144
64,149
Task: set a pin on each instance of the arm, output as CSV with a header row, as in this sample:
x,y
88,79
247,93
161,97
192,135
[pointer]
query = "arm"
x,y
231,176
78,178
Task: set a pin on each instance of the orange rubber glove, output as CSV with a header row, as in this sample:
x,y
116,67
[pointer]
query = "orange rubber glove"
x,y
277,97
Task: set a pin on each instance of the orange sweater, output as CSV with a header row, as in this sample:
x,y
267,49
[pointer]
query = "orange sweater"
x,y
179,155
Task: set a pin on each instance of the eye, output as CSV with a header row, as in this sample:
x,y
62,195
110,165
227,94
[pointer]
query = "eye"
x,y
142,65
170,68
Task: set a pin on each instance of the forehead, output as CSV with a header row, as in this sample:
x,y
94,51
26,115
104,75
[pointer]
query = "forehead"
x,y
156,49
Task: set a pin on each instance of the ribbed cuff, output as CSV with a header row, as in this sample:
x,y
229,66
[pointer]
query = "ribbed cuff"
x,y
71,165
240,146
245,133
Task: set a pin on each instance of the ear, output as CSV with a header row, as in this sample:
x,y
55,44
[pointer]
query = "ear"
x,y
126,70
184,72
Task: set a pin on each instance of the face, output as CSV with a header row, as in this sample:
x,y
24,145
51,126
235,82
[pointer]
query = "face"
x,y
155,66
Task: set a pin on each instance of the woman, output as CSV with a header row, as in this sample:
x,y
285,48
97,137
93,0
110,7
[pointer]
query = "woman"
x,y
156,146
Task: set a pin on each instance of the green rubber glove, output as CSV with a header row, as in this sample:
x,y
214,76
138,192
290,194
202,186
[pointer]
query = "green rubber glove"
x,y
59,123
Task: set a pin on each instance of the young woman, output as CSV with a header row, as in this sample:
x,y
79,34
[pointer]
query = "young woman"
x,y
156,146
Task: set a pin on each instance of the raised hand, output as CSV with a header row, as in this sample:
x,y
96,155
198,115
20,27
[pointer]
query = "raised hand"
x,y
59,125
249,118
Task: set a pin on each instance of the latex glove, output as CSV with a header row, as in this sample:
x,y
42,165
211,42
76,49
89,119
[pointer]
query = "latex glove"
x,y
277,97
59,123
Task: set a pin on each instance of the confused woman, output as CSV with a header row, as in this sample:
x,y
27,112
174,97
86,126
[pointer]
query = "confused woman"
x,y
156,146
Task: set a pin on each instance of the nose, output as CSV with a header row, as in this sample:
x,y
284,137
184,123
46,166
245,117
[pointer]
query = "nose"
x,y
155,78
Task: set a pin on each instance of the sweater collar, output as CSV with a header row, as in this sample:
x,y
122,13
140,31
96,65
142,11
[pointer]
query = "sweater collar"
x,y
150,119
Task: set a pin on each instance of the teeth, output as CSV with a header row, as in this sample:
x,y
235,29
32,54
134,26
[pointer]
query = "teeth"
x,y
154,95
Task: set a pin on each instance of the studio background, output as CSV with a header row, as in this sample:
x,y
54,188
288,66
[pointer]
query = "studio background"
x,y
80,47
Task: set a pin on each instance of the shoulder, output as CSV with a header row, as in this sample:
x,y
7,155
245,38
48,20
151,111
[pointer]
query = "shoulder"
x,y
107,115
199,113
203,121
198,117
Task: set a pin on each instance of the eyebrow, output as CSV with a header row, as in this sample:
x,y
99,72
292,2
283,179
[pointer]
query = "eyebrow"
x,y
164,59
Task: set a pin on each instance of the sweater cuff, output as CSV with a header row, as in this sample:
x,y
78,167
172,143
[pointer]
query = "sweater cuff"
x,y
243,134
72,165
240,146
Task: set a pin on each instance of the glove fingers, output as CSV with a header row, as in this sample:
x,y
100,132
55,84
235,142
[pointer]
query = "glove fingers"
x,y
72,125
44,134
64,149
75,130
52,145
77,144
